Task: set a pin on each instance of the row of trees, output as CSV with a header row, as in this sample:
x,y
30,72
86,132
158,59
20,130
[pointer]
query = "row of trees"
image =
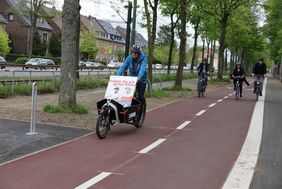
x,y
231,24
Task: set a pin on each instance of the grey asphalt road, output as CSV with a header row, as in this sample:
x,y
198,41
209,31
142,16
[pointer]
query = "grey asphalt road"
x,y
14,142
268,173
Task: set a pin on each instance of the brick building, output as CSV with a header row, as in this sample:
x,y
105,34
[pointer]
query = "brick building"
x,y
3,22
18,26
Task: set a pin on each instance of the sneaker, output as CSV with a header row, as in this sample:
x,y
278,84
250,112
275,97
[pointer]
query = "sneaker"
x,y
260,94
248,84
241,95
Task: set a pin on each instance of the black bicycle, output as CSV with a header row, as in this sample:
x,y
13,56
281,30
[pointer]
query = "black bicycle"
x,y
258,90
237,86
201,88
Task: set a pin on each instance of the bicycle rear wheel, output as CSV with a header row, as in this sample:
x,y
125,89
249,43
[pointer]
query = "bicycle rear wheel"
x,y
142,117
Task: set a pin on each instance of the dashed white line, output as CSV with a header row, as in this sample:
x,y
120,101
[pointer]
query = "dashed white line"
x,y
226,97
220,100
183,125
243,170
201,112
230,94
212,105
94,180
152,146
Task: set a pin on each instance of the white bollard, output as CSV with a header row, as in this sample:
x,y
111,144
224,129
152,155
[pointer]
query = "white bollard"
x,y
33,109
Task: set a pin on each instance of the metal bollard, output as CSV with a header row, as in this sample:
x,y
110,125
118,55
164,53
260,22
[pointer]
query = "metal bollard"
x,y
33,109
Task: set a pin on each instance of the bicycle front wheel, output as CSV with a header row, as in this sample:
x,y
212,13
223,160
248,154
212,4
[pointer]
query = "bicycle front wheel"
x,y
102,127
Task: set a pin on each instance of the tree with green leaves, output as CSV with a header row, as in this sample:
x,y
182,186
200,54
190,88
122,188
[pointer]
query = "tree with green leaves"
x,y
183,39
88,44
273,28
221,10
151,15
32,9
171,8
55,45
39,47
119,54
4,42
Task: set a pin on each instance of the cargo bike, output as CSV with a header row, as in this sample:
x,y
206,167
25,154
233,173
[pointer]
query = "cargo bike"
x,y
119,107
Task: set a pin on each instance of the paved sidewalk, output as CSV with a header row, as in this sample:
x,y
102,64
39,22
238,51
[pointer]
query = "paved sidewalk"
x,y
14,142
268,172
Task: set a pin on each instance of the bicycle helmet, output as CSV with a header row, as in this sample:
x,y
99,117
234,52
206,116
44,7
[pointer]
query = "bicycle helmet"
x,y
136,48
237,63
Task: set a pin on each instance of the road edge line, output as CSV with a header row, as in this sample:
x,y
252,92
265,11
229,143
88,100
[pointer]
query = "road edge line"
x,y
241,174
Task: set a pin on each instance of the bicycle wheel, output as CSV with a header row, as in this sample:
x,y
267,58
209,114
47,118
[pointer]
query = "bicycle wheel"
x,y
199,89
142,117
237,93
102,126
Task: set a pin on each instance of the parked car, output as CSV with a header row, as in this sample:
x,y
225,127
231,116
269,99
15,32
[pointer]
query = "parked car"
x,y
157,66
2,62
112,65
39,62
94,65
33,62
49,62
82,63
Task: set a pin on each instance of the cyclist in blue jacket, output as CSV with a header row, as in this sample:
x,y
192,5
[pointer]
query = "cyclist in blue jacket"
x,y
137,64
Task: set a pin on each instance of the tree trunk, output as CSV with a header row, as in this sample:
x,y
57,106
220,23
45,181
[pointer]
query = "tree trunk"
x,y
70,52
196,28
223,27
172,26
33,19
213,53
208,51
182,49
150,52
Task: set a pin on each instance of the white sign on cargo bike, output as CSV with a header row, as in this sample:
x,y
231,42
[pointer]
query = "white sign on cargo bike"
x,y
121,89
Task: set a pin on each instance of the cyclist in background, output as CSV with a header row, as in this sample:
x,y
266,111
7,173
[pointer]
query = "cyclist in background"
x,y
238,72
203,70
259,72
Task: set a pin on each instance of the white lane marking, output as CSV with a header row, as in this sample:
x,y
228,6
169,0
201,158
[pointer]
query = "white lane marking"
x,y
212,105
94,180
226,97
242,173
201,112
220,100
183,125
152,146
230,94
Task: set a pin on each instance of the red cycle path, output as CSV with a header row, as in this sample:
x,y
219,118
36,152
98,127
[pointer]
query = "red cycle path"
x,y
199,156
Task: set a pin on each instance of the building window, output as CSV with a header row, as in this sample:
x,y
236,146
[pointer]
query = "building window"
x,y
10,16
45,36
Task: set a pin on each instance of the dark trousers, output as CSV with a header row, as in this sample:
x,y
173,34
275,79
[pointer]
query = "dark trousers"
x,y
245,80
141,87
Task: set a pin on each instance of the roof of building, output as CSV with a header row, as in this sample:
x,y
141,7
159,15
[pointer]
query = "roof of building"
x,y
25,18
108,27
140,40
2,20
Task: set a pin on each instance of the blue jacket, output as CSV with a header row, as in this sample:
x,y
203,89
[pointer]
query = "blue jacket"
x,y
141,72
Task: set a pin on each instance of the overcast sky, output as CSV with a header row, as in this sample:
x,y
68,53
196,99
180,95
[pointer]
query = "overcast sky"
x,y
105,9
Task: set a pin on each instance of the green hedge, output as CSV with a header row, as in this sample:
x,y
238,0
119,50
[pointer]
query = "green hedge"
x,y
21,60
